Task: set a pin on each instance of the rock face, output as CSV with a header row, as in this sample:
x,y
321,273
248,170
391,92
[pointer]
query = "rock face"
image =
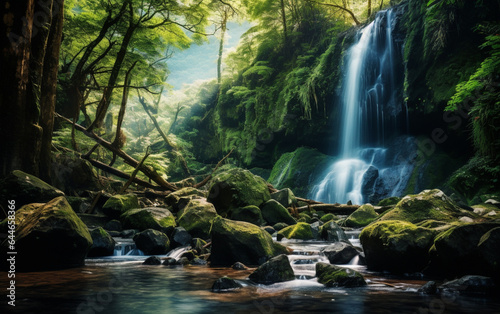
x,y
51,237
103,243
332,232
456,251
285,197
225,284
301,230
277,269
157,218
333,276
249,214
238,241
340,253
273,213
116,205
429,204
26,188
152,242
237,188
396,246
363,216
197,218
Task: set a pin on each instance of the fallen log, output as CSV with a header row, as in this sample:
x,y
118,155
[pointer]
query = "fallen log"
x,y
339,209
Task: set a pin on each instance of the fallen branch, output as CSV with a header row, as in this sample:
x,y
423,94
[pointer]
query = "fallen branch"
x,y
205,181
134,174
150,173
330,208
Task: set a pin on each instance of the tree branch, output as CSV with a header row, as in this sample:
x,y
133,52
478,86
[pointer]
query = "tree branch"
x,y
338,7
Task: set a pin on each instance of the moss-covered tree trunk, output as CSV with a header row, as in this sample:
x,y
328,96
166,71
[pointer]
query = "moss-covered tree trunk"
x,y
24,33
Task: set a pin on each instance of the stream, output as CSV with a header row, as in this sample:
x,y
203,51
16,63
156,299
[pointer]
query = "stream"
x,y
121,284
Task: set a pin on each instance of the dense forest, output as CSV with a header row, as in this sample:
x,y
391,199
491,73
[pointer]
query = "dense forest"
x,y
89,111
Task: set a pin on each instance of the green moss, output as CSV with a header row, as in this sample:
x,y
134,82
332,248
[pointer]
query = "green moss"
x,y
334,276
363,216
389,201
273,212
197,218
328,217
301,231
175,196
119,204
156,218
249,214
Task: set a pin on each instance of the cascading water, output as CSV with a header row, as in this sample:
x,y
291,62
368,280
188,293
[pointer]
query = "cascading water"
x,y
371,102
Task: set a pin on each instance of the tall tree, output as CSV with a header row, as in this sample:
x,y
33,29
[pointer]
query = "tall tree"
x,y
30,36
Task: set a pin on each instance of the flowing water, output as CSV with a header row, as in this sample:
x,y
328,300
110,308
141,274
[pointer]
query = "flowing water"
x,y
371,108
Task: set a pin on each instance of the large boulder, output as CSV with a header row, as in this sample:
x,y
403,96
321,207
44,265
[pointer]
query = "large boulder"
x,y
396,246
51,237
363,216
157,218
301,231
26,188
334,276
455,251
238,241
152,242
116,205
249,214
332,232
277,269
285,197
103,243
340,252
429,204
273,213
237,188
197,218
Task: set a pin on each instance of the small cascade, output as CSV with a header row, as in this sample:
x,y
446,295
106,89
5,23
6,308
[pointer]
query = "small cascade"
x,y
126,247
371,106
177,252
284,171
354,261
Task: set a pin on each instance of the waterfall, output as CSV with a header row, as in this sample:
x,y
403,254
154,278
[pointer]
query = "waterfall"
x,y
370,101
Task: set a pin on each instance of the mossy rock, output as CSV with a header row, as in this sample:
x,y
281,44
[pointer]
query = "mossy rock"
x,y
197,218
116,205
332,232
301,231
238,241
152,242
389,201
157,218
237,188
249,214
334,276
273,213
455,251
363,216
328,217
396,246
277,269
103,243
429,204
279,226
305,217
51,237
174,197
25,189
439,226
285,197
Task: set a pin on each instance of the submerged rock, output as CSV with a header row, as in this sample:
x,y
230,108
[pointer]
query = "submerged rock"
x,y
225,284
333,276
237,188
197,218
26,189
103,243
340,252
277,269
470,285
152,260
429,204
157,218
152,242
116,205
249,214
301,230
273,212
238,241
239,266
396,246
429,288
363,216
51,237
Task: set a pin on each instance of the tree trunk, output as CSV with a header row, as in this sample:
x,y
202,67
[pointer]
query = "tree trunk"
x,y
369,8
283,18
221,45
49,86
